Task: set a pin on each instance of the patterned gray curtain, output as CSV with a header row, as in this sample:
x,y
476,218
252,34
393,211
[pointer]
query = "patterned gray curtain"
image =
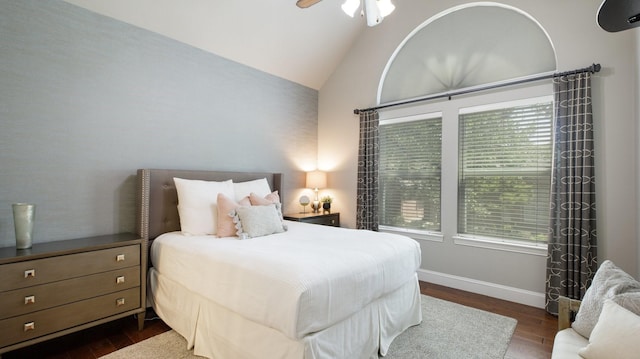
x,y
368,153
571,262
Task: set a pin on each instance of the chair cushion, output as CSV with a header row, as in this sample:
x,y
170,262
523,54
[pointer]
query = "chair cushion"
x,y
567,343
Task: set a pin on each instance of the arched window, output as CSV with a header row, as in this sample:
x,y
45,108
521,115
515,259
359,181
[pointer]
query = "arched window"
x,y
466,46
500,140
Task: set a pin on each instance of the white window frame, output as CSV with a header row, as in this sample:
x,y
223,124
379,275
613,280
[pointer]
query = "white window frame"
x,y
513,245
449,187
414,233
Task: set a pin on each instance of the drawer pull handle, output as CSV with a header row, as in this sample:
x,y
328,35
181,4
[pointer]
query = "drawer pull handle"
x,y
120,279
120,258
30,273
119,302
30,299
29,326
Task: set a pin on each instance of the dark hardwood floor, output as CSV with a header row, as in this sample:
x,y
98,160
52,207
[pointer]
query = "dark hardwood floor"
x,y
533,337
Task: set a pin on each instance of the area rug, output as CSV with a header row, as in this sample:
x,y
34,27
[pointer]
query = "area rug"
x,y
448,330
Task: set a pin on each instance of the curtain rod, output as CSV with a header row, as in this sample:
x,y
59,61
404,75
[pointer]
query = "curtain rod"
x,y
593,69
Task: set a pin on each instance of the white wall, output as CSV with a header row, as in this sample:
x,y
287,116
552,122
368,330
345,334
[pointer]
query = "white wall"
x,y
578,42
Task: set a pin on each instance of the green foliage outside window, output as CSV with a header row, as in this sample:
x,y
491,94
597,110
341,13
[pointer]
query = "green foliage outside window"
x,y
409,180
505,172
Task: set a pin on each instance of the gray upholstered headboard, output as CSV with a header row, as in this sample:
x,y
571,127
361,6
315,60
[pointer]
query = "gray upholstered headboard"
x,y
157,199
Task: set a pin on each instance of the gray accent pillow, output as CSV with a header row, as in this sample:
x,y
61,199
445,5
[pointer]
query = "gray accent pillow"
x,y
610,282
256,221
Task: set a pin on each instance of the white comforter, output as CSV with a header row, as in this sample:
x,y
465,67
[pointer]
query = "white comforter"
x,y
298,282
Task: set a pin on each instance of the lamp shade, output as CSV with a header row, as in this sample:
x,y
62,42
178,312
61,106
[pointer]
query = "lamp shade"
x,y
350,7
373,10
316,179
385,7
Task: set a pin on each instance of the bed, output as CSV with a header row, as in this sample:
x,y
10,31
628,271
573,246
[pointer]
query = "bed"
x,y
307,291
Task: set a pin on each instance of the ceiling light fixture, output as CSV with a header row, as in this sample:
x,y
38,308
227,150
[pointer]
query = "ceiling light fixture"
x,y
374,10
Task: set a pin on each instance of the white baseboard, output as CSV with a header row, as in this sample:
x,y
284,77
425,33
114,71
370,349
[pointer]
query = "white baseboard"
x,y
499,291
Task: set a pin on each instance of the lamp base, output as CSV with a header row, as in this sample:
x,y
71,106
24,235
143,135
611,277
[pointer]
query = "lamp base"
x,y
315,206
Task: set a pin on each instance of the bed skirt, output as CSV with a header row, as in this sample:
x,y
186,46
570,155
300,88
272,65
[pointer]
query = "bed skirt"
x,y
218,333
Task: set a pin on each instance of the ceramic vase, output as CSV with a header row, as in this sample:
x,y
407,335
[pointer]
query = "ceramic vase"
x,y
326,206
23,218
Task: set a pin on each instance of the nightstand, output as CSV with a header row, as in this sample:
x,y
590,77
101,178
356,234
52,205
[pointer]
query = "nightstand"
x,y
329,219
56,288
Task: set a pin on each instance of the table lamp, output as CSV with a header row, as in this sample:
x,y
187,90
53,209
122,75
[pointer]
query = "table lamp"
x,y
316,180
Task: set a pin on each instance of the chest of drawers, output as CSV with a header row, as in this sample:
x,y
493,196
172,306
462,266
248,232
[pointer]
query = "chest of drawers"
x,y
60,287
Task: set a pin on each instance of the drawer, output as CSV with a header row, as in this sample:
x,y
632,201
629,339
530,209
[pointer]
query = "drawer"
x,y
31,299
326,220
46,270
29,326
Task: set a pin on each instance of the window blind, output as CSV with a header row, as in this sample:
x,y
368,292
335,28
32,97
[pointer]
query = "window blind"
x,y
410,172
504,173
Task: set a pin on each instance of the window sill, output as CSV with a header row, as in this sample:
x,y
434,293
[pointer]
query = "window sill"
x,y
419,235
502,245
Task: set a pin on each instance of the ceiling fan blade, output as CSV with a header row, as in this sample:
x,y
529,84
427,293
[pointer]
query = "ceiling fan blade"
x,y
306,3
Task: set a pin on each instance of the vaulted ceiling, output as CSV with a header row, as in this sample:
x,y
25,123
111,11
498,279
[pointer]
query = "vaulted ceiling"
x,y
274,36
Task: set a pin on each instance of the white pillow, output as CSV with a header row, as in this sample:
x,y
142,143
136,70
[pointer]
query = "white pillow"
x,y
197,204
616,335
244,189
256,221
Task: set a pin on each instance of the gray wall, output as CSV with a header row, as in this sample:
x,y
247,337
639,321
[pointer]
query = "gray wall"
x,y
86,100
636,149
